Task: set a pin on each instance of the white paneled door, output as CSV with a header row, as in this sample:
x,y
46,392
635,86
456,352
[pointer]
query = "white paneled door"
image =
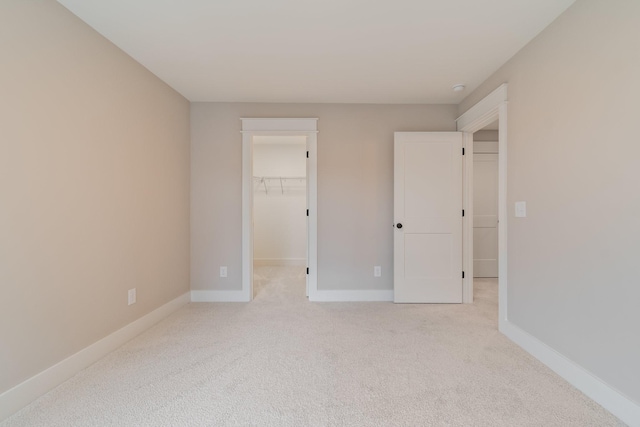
x,y
428,217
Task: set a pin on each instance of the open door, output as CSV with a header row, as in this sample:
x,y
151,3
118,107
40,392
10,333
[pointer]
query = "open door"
x,y
428,217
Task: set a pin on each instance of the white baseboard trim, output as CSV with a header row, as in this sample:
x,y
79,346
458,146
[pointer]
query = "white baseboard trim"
x,y
218,296
348,296
14,399
301,262
602,393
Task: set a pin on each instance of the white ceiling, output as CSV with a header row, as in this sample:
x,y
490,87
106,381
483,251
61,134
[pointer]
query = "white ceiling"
x,y
345,51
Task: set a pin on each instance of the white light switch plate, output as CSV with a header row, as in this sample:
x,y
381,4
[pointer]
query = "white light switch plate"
x,y
223,271
521,209
131,296
377,271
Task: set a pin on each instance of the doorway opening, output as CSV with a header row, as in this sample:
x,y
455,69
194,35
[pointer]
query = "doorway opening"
x,y
259,133
490,109
279,215
485,212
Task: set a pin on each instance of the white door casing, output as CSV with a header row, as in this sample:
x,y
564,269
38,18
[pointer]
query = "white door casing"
x,y
428,217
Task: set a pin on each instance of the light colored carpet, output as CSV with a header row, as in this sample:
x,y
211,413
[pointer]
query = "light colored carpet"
x,y
284,361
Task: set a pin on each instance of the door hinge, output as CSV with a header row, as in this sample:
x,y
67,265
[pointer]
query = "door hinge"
x,y
307,212
463,274
462,212
307,270
463,151
307,154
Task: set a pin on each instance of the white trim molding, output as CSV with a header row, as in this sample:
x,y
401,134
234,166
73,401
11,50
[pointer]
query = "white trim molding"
x,y
353,296
279,125
16,398
613,401
307,127
484,111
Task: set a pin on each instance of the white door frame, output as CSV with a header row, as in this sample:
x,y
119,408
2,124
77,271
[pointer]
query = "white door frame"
x,y
307,127
490,108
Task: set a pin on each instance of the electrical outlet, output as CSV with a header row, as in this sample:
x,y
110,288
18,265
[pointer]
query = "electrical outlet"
x,y
377,271
223,271
132,296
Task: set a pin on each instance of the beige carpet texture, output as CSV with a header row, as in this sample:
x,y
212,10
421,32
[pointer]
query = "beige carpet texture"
x,y
284,361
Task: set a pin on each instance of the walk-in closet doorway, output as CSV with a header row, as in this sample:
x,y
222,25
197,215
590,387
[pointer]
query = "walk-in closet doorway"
x,y
279,210
279,203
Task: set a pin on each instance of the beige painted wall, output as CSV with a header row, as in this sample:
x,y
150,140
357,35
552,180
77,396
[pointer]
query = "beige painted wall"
x,y
355,187
94,188
573,157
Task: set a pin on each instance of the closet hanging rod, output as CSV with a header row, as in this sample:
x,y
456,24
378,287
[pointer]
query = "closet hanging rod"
x,y
281,179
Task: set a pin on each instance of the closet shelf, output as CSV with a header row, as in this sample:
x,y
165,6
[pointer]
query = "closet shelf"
x,y
282,181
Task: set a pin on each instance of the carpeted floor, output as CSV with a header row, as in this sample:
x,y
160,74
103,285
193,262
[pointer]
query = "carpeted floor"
x,y
283,361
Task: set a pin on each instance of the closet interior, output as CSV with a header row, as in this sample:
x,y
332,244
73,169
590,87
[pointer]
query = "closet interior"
x,y
279,208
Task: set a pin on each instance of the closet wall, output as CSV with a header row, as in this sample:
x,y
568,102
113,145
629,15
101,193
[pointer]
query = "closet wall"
x,y
279,203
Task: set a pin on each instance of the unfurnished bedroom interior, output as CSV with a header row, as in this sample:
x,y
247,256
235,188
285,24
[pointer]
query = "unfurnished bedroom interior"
x,y
408,213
